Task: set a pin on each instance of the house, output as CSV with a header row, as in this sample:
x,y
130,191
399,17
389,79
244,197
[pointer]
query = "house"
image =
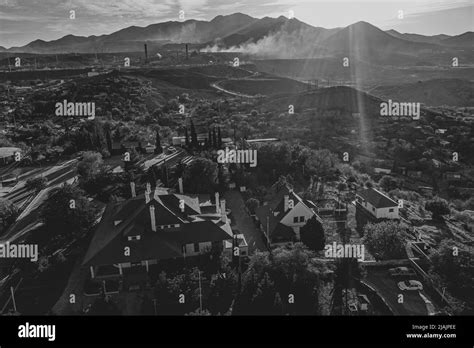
x,y
7,154
154,227
282,218
373,206
452,176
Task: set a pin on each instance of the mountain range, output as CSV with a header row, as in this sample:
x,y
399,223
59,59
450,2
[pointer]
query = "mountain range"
x,y
275,37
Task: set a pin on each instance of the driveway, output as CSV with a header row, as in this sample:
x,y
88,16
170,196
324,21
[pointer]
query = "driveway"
x,y
242,222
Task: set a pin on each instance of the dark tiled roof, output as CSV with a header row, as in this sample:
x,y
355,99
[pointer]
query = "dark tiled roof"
x,y
109,241
376,198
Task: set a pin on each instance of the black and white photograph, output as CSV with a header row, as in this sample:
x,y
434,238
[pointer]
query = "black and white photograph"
x,y
277,160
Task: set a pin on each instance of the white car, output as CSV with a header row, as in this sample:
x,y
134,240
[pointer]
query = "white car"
x,y
410,285
401,271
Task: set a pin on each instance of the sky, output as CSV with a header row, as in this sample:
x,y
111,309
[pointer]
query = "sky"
x,y
23,21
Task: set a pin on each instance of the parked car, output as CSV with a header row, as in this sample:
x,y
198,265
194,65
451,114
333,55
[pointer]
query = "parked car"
x,y
410,285
401,272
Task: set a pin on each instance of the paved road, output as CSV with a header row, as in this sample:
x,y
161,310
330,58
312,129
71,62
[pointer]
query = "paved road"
x,y
242,222
387,287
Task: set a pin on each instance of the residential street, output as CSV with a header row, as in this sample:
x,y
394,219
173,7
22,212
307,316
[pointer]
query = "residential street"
x,y
242,222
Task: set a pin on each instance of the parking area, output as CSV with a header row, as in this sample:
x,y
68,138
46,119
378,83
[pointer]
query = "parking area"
x,y
387,287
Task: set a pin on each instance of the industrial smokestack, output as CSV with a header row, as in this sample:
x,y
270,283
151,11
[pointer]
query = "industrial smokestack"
x,y
187,52
146,54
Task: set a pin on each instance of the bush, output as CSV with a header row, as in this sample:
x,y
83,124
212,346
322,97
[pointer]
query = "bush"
x,y
438,207
385,240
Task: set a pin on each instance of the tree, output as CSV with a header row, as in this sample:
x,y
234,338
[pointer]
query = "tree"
x,y
68,212
252,204
273,280
321,162
312,234
385,240
451,261
200,176
214,138
388,183
194,139
158,148
438,207
90,165
8,213
209,139
219,138
186,136
36,184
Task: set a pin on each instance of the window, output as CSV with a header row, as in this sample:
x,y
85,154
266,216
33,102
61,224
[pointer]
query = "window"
x,y
130,238
390,210
301,218
295,219
196,247
373,209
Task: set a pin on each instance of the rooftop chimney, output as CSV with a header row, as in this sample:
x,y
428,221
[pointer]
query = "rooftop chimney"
x,y
286,199
132,189
223,212
156,194
217,203
152,218
148,187
180,184
147,197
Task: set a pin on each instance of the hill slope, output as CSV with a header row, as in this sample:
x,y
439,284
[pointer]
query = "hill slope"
x,y
453,92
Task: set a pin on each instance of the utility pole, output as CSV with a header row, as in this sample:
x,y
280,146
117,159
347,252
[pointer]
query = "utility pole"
x,y
200,291
154,305
13,298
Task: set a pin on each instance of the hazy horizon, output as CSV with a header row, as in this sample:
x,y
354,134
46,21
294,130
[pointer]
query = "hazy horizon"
x,y
23,22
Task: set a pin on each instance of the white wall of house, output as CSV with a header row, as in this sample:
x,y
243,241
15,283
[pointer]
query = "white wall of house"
x,y
302,213
387,213
382,170
379,213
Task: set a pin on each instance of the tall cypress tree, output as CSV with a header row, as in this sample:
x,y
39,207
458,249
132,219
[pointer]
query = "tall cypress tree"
x,y
214,137
186,137
209,137
158,148
219,138
194,140
108,139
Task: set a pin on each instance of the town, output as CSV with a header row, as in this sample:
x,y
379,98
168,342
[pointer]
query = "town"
x,y
192,182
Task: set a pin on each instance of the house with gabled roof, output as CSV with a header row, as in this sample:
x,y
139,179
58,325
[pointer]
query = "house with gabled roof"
x,y
154,227
373,205
282,217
